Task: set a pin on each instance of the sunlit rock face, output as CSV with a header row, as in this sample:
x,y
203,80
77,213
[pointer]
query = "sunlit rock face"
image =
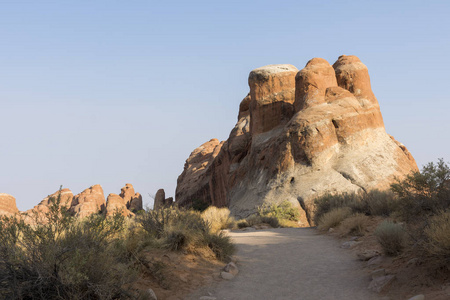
x,y
8,205
299,134
88,202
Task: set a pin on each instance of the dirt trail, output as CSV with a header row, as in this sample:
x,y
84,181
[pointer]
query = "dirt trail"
x,y
291,263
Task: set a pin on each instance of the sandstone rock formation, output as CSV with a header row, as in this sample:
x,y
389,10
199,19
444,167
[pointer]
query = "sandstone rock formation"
x,y
38,213
133,201
136,203
116,204
298,135
89,201
126,203
7,205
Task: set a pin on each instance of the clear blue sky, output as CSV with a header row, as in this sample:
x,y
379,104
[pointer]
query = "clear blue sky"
x,y
115,92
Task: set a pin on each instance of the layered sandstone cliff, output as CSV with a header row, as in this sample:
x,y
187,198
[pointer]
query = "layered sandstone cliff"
x,y
299,134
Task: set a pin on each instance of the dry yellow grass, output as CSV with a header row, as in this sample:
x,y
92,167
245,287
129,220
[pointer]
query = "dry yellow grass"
x,y
355,224
333,218
218,218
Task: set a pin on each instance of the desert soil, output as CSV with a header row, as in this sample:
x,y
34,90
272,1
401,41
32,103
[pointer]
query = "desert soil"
x,y
291,263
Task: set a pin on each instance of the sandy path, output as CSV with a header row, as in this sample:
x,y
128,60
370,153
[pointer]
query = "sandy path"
x,y
291,263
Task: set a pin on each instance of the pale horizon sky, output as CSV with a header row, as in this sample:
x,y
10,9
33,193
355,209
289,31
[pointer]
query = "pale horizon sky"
x,y
115,92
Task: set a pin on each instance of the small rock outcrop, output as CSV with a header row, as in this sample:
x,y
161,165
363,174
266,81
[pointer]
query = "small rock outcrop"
x,y
161,201
133,200
136,203
126,203
299,134
116,204
8,205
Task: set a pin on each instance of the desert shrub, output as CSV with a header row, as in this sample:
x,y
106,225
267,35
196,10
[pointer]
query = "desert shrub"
x,y
220,244
333,218
379,203
391,237
371,203
155,221
425,193
256,219
64,259
219,218
177,229
438,238
328,202
355,224
272,221
253,220
242,223
177,239
281,211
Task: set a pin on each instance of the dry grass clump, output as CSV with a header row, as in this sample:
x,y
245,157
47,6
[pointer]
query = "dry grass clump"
x,y
372,203
282,214
218,218
258,220
391,237
177,229
333,218
355,224
438,238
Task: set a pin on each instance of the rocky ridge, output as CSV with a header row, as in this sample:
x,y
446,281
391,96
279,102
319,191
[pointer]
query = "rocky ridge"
x,y
89,201
299,134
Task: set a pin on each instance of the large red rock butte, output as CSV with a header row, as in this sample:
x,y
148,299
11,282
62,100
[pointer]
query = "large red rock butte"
x,y
299,134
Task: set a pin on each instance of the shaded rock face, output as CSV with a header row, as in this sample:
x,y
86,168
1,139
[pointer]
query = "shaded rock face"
x,y
299,135
161,201
8,205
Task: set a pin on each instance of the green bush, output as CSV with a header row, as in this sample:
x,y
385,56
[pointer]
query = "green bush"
x,y
281,211
423,194
333,218
391,237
